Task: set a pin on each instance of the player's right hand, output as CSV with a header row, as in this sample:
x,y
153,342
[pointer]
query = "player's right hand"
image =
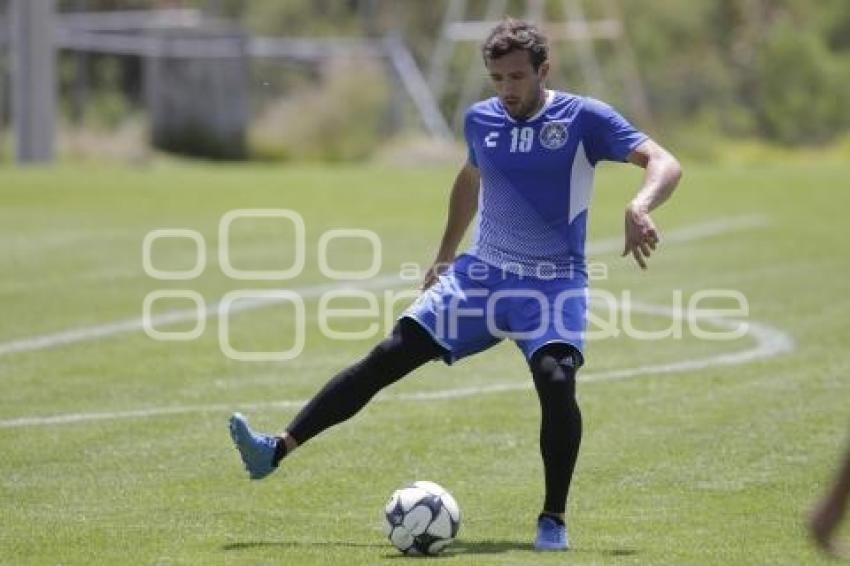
x,y
433,273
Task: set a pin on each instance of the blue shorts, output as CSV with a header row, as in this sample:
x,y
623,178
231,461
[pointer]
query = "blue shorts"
x,y
474,305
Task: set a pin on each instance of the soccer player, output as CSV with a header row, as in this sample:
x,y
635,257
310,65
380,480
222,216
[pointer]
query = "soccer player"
x,y
529,175
829,512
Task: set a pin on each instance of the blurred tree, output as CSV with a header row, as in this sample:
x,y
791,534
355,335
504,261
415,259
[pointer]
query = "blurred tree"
x,y
774,68
802,88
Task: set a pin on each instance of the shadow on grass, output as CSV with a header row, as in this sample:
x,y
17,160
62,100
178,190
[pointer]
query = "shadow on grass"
x,y
249,545
459,548
499,546
620,552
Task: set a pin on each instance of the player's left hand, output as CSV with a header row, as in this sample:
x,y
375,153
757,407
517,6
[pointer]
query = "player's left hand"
x,y
641,234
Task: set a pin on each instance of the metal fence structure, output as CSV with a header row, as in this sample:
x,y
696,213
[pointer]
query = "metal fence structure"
x,y
195,67
186,56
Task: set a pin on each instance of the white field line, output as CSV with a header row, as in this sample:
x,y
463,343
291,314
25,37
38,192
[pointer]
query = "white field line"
x,y
770,342
84,333
687,233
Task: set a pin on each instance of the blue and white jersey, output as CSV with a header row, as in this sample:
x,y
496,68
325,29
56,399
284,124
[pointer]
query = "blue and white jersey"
x,y
537,178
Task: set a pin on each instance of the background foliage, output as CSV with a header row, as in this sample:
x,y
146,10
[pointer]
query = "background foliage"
x,y
776,70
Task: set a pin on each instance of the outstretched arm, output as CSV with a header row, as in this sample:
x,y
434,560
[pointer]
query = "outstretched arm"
x,y
662,175
462,206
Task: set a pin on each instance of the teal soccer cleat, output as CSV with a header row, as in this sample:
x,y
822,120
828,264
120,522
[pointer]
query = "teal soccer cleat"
x,y
551,535
257,450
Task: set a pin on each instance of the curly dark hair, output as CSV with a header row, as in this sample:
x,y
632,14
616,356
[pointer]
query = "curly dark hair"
x,y
514,35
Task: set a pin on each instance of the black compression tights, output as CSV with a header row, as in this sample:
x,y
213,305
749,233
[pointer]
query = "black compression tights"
x,y
408,347
554,367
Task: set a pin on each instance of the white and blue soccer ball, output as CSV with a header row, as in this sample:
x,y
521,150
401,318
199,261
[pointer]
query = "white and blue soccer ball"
x,y
421,518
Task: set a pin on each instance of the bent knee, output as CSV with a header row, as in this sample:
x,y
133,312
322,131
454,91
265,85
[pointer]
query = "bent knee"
x,y
554,364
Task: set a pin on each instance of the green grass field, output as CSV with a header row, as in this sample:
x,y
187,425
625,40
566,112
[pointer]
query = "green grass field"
x,y
114,448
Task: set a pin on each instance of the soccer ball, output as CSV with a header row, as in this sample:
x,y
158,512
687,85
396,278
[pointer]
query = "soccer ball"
x,y
421,518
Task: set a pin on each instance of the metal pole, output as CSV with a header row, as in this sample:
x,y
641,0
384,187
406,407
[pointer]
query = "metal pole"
x,y
635,90
81,78
584,48
476,74
417,87
444,48
33,79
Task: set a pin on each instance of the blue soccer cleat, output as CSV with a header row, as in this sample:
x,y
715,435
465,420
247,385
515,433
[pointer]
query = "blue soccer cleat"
x,y
550,535
257,450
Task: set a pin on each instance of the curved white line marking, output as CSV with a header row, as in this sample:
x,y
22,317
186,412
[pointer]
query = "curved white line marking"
x,y
83,333
770,342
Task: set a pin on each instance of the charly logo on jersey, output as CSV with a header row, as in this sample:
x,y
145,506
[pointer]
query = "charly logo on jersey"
x,y
553,135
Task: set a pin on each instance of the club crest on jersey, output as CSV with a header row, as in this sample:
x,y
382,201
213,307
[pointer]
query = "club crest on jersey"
x,y
553,135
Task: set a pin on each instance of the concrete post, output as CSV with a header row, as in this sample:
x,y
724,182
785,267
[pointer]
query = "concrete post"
x,y
33,79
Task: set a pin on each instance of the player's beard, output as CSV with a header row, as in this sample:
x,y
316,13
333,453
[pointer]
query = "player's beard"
x,y
528,110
